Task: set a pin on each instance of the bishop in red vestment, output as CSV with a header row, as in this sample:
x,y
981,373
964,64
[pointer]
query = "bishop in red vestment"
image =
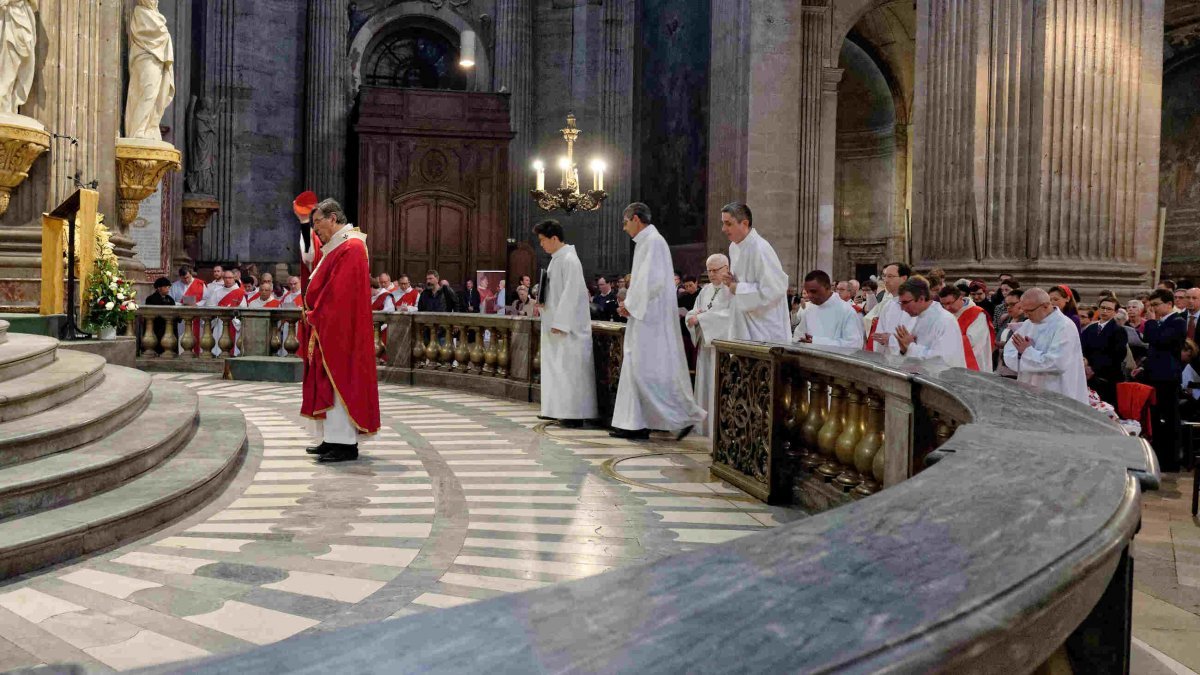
x,y
340,385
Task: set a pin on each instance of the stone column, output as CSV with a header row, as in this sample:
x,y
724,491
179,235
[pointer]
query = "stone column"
x,y
218,81
514,74
179,20
816,248
1036,139
327,100
76,94
728,111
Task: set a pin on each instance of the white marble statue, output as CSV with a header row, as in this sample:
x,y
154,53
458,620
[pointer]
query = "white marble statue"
x,y
151,71
18,38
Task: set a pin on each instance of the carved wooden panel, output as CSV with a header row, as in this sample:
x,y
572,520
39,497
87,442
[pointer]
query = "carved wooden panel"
x,y
433,181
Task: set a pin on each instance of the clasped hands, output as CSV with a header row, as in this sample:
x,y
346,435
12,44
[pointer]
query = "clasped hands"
x,y
1021,342
904,337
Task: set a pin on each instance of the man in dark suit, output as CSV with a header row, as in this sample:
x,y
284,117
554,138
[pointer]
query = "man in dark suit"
x,y
1104,345
1162,369
604,305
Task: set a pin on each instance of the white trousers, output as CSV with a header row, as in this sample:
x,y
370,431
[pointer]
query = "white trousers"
x,y
337,427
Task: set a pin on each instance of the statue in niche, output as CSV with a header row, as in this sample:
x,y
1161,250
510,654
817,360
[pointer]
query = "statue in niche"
x,y
151,71
18,38
201,147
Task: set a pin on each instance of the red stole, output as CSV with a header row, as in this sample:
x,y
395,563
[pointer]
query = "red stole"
x,y
871,334
378,303
269,304
965,320
408,299
232,299
196,290
340,350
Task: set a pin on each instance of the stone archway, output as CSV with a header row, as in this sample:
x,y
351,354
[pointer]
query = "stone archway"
x,y
381,24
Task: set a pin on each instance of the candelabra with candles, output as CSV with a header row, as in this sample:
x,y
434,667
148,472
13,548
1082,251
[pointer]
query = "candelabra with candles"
x,y
567,197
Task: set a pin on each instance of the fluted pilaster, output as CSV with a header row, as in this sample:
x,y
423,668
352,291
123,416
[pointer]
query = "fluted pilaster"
x,y
327,101
1036,138
616,128
219,81
76,94
514,73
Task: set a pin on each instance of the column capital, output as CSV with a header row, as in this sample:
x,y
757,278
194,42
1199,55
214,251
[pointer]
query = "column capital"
x,y
830,78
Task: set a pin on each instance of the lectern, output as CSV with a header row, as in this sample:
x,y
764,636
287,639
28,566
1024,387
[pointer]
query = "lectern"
x,y
78,216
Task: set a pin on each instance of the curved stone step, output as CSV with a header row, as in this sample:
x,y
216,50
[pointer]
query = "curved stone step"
x,y
108,406
164,427
69,376
22,354
3,331
184,482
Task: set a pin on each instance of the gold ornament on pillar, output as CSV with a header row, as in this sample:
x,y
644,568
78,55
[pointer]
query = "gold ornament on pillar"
x,y
142,156
22,139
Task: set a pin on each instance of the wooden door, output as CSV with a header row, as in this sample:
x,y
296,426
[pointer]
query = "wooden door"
x,y
433,234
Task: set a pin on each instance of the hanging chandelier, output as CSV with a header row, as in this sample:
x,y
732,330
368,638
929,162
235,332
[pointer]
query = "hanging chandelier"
x,y
567,197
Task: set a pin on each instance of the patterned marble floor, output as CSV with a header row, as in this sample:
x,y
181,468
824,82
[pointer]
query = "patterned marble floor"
x,y
459,498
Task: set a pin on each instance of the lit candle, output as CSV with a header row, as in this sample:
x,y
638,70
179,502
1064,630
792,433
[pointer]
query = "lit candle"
x,y
565,165
540,168
598,168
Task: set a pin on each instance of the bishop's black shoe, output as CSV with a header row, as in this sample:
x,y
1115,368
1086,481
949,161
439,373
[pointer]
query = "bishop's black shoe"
x,y
571,424
339,452
317,449
632,435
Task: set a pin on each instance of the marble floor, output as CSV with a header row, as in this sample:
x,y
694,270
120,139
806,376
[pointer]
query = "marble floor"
x,y
459,498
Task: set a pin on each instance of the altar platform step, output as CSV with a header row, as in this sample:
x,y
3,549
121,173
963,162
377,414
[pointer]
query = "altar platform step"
x,y
182,483
69,376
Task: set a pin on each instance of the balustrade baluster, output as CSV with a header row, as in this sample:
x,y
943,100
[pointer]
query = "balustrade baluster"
x,y
169,343
489,354
187,340
818,407
149,340
432,350
867,456
225,343
476,351
276,336
502,352
847,442
418,350
292,343
537,356
379,349
206,338
461,354
131,325
445,349
827,439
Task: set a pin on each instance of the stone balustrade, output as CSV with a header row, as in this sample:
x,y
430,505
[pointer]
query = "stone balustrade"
x,y
488,354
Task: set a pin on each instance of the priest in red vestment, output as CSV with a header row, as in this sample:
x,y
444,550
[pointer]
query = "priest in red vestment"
x,y
340,385
229,294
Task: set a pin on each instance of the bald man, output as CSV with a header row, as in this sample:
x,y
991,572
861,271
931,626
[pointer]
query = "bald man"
x,y
1044,350
710,319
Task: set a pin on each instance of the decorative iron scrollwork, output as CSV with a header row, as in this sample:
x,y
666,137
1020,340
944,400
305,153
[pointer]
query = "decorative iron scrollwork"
x,y
743,440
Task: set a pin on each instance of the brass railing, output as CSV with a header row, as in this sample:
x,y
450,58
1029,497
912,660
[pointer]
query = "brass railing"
x,y
796,424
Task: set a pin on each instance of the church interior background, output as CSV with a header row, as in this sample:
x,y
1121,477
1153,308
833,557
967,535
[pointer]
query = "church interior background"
x,y
857,135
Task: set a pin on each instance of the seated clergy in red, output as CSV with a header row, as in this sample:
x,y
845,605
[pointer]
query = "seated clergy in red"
x,y
228,294
265,298
340,386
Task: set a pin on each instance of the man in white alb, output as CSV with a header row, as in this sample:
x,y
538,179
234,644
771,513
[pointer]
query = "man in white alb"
x,y
883,320
710,320
755,279
935,332
1045,351
829,320
568,377
655,391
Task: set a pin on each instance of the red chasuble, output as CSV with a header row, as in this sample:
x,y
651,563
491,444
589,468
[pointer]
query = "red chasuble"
x,y
340,349
408,299
964,322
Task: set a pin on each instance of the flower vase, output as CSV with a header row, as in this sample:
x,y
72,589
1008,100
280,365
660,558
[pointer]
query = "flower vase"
x,y
108,332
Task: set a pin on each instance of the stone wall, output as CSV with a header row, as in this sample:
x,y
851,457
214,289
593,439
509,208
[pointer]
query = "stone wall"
x,y
258,88
671,122
1179,178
